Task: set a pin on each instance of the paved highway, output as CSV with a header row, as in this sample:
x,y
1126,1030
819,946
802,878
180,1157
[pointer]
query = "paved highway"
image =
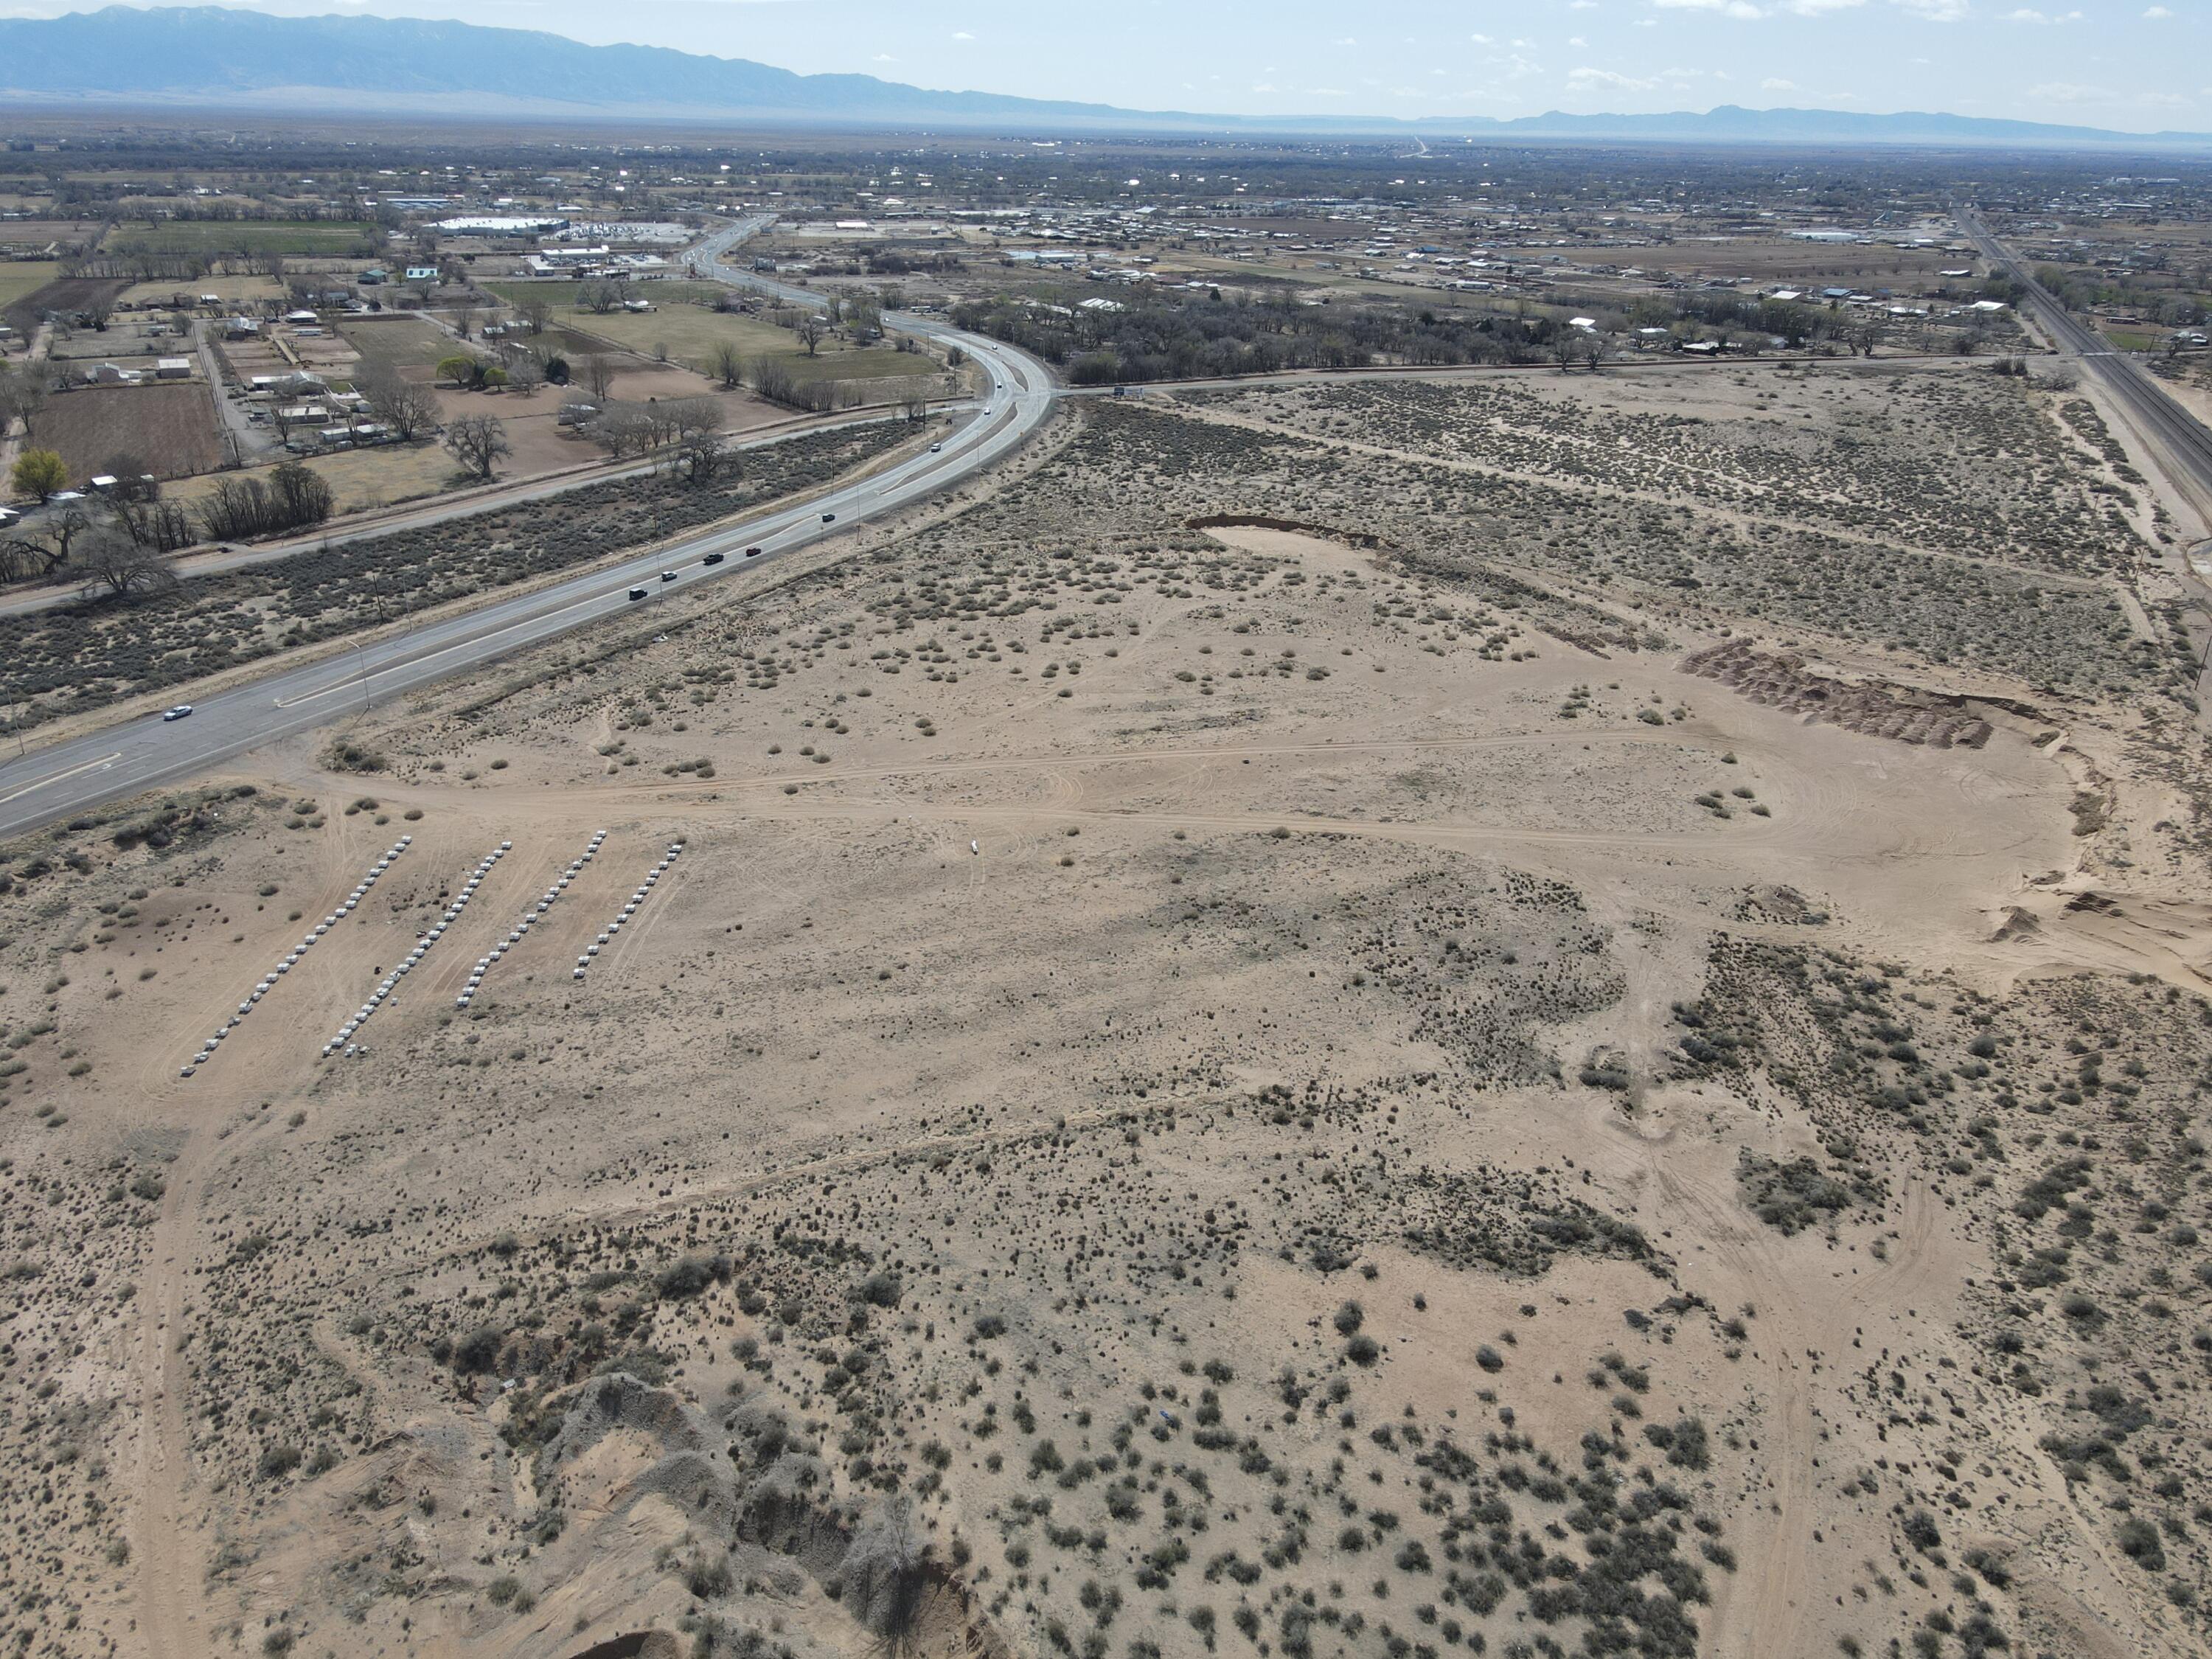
x,y
2185,444
440,508
53,784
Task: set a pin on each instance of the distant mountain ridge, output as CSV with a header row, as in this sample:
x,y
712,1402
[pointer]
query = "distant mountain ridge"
x,y
211,56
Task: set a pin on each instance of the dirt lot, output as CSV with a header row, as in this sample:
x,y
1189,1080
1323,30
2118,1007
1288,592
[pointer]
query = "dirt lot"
x,y
1290,1027
171,426
362,479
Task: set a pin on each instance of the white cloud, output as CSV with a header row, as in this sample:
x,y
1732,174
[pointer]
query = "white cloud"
x,y
2162,100
962,34
885,57
1743,9
2158,13
1585,79
1514,67
1937,11
1582,5
1576,40
1820,8
1776,83
2068,92
1480,39
2029,14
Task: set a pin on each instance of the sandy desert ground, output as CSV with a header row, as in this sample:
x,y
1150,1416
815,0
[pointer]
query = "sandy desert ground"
x,y
1555,1020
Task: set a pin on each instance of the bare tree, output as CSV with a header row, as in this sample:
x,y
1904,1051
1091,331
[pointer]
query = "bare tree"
x,y
1595,351
526,371
151,523
700,457
535,314
464,321
22,395
478,442
727,365
622,429
1563,348
687,415
410,410
597,372
302,495
810,331
60,533
115,563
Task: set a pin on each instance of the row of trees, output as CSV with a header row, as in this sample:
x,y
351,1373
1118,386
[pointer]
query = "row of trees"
x,y
2077,290
1185,336
120,545
777,381
132,517
243,506
632,429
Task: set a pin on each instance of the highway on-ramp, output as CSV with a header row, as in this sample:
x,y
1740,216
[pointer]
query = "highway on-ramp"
x,y
53,784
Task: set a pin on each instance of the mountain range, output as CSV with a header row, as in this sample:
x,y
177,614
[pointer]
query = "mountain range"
x,y
214,57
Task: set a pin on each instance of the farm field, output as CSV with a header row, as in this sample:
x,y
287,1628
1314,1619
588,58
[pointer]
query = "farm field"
x,y
234,290
61,294
304,237
691,334
20,278
170,427
398,341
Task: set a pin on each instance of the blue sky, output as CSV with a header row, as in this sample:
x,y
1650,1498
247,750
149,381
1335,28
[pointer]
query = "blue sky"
x,y
2137,67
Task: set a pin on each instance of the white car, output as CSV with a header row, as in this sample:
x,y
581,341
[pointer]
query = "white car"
x,y
178,713
934,448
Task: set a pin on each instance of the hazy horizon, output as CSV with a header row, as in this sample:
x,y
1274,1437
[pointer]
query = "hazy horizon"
x,y
2129,68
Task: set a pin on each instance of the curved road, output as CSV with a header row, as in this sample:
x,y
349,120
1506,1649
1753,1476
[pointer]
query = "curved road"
x,y
51,784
